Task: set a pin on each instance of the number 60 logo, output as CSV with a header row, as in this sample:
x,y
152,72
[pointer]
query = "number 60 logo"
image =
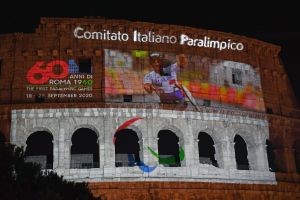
x,y
40,75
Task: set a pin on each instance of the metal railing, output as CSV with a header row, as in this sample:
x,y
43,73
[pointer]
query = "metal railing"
x,y
207,160
84,165
126,160
40,160
242,167
83,161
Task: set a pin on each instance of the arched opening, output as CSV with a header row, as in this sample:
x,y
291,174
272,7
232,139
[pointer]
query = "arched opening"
x,y
271,155
168,149
85,149
40,149
127,148
206,149
297,155
241,153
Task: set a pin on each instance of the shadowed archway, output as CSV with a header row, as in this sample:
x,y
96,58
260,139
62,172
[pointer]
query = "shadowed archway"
x,y
40,149
241,153
206,149
84,149
127,148
168,147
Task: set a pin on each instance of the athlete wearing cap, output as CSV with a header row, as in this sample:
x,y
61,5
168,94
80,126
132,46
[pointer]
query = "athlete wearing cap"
x,y
163,81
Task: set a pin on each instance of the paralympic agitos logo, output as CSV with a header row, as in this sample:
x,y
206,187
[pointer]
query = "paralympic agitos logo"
x,y
142,165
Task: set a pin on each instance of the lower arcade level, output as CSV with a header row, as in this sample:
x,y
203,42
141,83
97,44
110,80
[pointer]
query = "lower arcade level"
x,y
133,144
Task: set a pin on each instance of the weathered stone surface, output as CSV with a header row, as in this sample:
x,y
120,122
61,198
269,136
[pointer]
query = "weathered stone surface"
x,y
65,122
19,117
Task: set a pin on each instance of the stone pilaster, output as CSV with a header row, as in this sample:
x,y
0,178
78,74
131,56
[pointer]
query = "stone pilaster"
x,y
101,152
149,159
66,158
55,154
258,159
226,149
109,148
61,144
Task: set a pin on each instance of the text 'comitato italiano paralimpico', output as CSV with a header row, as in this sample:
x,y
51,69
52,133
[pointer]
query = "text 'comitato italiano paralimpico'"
x,y
152,37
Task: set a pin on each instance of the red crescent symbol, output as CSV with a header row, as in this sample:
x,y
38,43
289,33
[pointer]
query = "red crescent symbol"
x,y
125,124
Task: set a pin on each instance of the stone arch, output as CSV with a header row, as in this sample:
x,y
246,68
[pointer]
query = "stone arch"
x,y
210,131
246,134
40,149
130,154
174,129
218,139
241,153
37,129
206,149
141,139
137,130
178,133
88,126
85,152
256,146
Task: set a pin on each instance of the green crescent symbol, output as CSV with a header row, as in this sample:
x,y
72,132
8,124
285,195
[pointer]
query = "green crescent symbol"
x,y
168,160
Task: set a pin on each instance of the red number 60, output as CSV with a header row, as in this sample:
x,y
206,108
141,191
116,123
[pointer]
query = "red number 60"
x,y
46,73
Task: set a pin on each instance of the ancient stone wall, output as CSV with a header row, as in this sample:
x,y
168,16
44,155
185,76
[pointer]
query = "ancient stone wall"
x,y
54,39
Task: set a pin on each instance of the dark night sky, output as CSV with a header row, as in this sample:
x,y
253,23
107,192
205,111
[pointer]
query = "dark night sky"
x,y
277,23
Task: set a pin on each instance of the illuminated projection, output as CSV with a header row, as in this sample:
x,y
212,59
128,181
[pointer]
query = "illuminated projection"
x,y
162,77
132,160
60,79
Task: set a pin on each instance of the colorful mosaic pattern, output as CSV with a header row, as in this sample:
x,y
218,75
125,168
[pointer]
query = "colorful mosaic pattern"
x,y
206,78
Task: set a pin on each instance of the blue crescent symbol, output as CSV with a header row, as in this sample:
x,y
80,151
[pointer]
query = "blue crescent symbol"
x,y
142,165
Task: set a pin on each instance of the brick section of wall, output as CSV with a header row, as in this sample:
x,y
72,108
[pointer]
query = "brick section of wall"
x,y
54,39
193,191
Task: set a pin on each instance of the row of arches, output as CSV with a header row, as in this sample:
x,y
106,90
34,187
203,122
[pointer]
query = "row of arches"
x,y
84,149
128,149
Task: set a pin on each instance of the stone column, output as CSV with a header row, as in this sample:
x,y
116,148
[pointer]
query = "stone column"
x,y
55,154
187,142
219,155
225,154
13,132
61,148
258,159
109,148
195,154
189,153
101,144
67,154
150,159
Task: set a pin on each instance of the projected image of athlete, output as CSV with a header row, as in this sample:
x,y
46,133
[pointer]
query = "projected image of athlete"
x,y
163,80
173,70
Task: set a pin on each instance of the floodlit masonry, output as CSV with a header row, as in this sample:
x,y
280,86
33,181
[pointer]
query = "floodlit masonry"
x,y
186,125
72,93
